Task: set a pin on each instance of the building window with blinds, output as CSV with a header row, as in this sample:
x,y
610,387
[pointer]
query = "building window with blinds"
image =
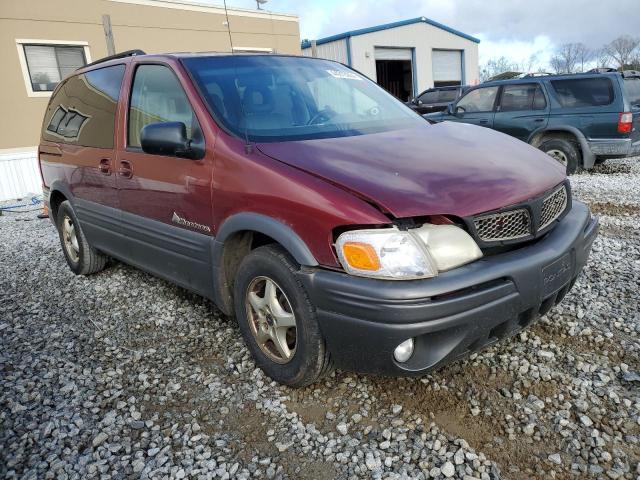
x,y
48,64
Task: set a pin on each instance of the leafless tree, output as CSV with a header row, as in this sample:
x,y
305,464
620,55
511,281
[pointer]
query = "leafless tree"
x,y
529,64
496,66
557,64
583,55
622,50
565,58
602,58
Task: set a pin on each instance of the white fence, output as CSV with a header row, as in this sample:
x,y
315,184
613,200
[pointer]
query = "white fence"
x,y
19,174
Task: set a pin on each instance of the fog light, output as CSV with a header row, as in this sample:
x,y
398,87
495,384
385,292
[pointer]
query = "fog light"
x,y
403,352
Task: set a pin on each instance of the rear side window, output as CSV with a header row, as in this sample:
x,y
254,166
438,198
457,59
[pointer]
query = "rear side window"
x,y
522,97
447,95
583,92
157,96
632,91
83,110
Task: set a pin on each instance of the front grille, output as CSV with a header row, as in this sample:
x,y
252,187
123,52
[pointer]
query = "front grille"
x,y
509,225
520,222
553,206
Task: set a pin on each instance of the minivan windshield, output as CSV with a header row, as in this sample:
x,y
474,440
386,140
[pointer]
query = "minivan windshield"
x,y
278,98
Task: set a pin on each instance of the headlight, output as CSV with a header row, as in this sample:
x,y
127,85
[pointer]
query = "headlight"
x,y
405,255
384,253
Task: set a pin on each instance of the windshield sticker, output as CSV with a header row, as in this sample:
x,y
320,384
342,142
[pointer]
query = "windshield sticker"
x,y
342,74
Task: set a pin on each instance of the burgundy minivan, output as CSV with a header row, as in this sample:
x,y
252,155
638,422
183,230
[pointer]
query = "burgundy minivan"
x,y
340,228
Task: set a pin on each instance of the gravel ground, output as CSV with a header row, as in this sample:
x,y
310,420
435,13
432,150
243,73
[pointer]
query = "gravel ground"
x,y
124,375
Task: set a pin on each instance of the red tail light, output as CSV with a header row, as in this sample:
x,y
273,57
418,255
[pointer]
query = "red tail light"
x,y
625,122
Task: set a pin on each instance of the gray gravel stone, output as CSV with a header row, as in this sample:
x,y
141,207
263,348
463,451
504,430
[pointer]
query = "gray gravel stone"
x,y
122,375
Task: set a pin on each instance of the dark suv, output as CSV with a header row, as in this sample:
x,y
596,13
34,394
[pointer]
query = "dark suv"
x,y
436,99
579,119
337,226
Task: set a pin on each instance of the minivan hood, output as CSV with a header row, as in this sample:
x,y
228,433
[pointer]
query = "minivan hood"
x,y
446,168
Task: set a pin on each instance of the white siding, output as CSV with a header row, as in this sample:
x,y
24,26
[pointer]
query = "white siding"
x,y
19,174
424,38
336,50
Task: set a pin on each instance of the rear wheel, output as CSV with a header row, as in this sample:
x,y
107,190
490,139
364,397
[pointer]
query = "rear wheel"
x,y
81,257
277,320
564,152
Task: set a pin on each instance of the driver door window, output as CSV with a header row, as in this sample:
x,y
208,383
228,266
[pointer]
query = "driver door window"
x,y
157,96
478,100
447,96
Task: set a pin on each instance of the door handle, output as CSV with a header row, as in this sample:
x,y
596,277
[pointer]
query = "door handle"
x,y
539,120
125,170
484,121
105,166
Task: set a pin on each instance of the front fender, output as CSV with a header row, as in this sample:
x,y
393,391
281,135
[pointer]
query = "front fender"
x,y
252,222
275,229
588,158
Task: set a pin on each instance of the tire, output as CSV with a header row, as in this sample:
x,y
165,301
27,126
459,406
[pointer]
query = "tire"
x,y
309,359
564,151
81,257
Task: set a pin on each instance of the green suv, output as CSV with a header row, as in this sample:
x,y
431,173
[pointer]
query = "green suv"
x,y
580,119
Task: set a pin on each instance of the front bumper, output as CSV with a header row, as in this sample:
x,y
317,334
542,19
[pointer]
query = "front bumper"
x,y
454,314
623,147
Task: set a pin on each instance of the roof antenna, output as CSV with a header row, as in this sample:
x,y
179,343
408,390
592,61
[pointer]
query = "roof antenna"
x,y
226,14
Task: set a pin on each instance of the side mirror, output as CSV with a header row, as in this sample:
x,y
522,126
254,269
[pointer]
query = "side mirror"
x,y
453,109
419,102
168,138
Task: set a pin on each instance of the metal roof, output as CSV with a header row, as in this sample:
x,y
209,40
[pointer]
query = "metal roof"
x,y
386,26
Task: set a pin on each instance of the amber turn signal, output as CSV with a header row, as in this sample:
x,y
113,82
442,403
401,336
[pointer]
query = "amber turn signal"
x,y
361,256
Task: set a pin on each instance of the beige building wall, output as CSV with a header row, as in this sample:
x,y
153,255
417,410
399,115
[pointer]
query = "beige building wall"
x,y
150,25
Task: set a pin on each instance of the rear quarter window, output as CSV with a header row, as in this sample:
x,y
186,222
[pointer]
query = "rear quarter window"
x,y
83,110
583,92
632,91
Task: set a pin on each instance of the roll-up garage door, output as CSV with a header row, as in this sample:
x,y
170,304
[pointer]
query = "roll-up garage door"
x,y
384,53
447,67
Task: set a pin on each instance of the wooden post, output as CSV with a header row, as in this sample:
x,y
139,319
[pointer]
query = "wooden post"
x,y
108,35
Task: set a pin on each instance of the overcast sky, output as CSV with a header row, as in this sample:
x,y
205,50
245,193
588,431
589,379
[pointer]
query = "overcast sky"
x,y
513,28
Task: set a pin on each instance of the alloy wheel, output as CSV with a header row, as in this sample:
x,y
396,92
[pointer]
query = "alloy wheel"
x,y
559,156
70,239
271,319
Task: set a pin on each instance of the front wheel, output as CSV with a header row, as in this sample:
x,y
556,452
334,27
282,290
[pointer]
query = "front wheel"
x,y
277,320
563,151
